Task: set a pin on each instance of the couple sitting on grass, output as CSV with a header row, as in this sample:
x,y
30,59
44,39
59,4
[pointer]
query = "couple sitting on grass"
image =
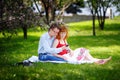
x,y
53,46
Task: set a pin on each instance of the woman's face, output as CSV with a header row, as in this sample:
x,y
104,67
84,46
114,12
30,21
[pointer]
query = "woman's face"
x,y
62,35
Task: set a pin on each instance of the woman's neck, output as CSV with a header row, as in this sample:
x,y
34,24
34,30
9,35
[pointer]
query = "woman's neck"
x,y
62,41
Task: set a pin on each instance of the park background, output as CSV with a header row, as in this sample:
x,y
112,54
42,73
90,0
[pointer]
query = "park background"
x,y
14,47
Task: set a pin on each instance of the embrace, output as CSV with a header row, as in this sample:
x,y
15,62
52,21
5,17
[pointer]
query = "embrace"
x,y
53,46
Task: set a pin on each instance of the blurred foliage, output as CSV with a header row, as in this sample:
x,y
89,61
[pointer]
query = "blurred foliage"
x,y
17,14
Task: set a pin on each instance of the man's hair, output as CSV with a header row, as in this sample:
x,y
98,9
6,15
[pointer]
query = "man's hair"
x,y
54,25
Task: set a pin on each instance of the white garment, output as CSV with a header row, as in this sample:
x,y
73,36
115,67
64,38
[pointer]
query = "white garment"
x,y
34,59
45,44
78,57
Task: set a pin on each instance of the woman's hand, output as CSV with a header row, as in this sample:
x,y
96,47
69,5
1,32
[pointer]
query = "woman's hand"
x,y
64,47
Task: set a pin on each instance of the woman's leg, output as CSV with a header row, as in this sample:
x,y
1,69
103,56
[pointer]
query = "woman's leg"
x,y
89,57
103,61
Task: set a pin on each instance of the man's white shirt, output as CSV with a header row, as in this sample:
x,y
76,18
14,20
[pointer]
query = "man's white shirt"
x,y
45,44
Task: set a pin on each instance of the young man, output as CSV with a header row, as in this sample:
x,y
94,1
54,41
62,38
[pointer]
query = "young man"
x,y
45,49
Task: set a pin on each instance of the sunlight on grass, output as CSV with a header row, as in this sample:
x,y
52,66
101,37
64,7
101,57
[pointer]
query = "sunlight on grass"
x,y
114,49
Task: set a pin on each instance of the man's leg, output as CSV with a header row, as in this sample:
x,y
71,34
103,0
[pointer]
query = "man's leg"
x,y
54,58
50,58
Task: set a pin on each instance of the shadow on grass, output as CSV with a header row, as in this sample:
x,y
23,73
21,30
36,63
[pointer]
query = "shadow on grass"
x,y
17,49
16,43
112,27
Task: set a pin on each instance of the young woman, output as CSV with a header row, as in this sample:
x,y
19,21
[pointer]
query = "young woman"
x,y
79,55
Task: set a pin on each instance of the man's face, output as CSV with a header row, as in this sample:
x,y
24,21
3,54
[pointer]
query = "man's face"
x,y
54,32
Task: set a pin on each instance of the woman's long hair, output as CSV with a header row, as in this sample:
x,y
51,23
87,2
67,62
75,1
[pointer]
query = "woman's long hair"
x,y
63,28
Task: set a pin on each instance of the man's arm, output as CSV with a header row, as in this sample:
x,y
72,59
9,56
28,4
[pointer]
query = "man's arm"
x,y
48,48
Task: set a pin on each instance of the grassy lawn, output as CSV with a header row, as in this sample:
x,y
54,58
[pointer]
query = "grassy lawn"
x,y
106,43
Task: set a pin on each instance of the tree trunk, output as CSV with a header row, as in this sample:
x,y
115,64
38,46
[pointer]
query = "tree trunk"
x,y
102,22
47,16
53,14
102,25
25,31
46,7
94,34
1,15
1,10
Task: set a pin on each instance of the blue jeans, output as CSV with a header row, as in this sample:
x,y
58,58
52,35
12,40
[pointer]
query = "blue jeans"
x,y
48,57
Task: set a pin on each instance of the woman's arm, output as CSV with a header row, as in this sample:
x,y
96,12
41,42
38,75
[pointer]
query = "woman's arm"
x,y
55,43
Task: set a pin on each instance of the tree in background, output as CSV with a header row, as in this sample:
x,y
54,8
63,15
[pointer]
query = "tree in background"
x,y
100,8
16,14
80,3
117,4
50,7
93,9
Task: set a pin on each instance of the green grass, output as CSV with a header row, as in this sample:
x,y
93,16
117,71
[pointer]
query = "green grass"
x,y
106,43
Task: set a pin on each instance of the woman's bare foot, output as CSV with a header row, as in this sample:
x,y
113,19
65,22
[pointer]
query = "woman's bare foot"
x,y
108,59
103,61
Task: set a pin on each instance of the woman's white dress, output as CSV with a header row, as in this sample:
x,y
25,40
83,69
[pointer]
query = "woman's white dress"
x,y
78,57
